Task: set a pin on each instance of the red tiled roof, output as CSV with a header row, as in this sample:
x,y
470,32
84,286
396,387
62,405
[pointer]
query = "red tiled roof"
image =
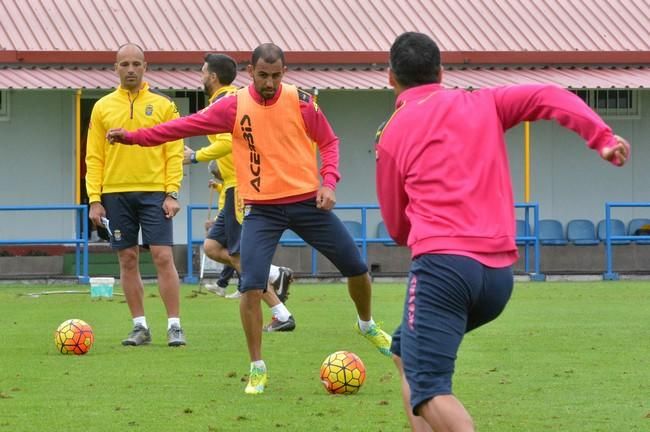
x,y
67,31
342,78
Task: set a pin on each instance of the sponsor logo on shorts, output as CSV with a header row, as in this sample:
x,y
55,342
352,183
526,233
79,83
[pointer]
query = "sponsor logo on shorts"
x,y
411,303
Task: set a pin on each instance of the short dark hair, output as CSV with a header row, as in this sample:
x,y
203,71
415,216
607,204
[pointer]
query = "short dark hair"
x,y
225,67
415,59
268,52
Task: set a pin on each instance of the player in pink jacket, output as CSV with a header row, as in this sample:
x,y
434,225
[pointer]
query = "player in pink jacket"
x,y
444,189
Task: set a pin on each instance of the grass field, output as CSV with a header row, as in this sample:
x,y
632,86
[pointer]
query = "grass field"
x,y
563,357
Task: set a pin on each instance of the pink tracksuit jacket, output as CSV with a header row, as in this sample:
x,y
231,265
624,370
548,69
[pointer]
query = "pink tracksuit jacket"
x,y
443,179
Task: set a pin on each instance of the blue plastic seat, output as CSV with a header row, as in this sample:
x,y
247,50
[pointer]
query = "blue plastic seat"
x,y
551,232
382,233
634,225
521,232
581,232
618,229
354,228
289,239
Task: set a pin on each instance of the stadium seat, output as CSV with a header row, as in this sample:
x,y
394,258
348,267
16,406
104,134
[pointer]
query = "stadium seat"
x,y
618,229
634,225
354,228
581,232
521,232
551,233
382,233
290,235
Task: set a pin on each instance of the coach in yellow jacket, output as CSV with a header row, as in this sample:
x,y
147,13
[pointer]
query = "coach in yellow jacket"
x,y
133,188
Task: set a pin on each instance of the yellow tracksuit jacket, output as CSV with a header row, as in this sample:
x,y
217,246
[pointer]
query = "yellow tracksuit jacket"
x,y
121,168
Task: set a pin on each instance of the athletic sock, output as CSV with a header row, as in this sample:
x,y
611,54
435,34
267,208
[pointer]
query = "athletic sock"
x,y
259,364
280,312
141,321
274,273
173,321
365,325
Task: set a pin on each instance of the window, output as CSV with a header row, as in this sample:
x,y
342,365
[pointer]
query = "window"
x,y
195,98
612,102
4,105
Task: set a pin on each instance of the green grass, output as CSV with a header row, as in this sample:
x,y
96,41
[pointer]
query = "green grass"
x,y
563,356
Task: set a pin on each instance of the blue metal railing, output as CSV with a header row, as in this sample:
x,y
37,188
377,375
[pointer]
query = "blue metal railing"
x,y
364,241
191,241
609,274
80,240
528,239
361,241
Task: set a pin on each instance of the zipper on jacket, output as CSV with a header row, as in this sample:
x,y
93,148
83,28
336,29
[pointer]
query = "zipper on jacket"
x,y
131,102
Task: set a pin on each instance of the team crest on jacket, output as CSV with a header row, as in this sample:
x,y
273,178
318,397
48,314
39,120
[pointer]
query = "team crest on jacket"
x,y
148,110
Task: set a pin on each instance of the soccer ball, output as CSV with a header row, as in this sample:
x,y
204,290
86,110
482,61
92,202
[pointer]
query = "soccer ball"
x,y
74,336
342,372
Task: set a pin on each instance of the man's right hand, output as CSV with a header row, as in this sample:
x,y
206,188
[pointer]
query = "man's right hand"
x,y
187,155
617,154
116,136
96,213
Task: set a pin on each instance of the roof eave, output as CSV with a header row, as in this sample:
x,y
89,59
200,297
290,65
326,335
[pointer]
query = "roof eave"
x,y
339,57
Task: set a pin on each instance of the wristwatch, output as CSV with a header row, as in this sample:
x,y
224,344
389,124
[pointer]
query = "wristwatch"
x,y
173,195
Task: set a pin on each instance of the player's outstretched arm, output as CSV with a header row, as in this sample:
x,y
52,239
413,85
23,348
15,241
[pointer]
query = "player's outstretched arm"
x,y
217,118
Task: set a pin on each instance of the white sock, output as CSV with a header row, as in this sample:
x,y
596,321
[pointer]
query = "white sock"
x,y
365,325
274,273
173,321
258,364
141,320
280,312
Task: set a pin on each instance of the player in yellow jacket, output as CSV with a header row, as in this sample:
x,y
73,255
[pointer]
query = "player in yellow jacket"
x,y
222,241
133,188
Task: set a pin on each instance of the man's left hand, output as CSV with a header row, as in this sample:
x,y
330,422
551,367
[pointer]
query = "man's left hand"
x,y
171,207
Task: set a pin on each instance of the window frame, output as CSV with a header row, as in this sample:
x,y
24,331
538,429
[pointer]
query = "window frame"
x,y
4,104
591,98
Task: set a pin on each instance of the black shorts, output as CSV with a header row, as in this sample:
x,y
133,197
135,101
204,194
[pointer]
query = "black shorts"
x,y
446,297
322,229
127,212
227,230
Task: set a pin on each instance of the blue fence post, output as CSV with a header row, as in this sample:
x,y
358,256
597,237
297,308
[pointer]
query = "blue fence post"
x,y
364,235
189,277
609,274
527,235
537,276
84,217
77,246
314,264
